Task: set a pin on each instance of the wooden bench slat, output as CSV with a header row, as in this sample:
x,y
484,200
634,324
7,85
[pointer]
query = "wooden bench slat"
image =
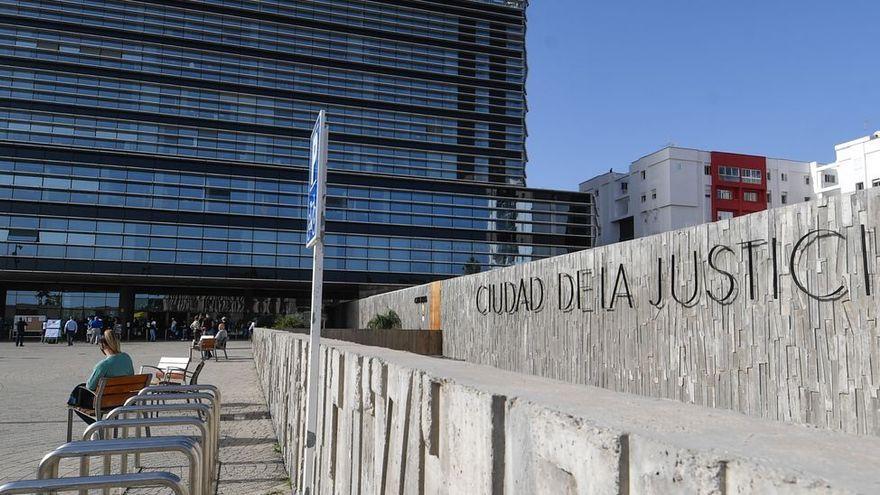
x,y
125,380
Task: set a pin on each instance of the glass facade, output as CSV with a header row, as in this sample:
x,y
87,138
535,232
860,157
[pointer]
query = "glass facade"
x,y
165,148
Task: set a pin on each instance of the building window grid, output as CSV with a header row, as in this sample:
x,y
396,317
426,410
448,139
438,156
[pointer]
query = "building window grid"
x,y
729,174
162,243
389,18
280,37
131,241
188,142
91,189
446,132
164,59
751,175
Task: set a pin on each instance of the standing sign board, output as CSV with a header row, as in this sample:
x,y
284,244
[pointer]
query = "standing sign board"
x,y
34,323
315,241
53,329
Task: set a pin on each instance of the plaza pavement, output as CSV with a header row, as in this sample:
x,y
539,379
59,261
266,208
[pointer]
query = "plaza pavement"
x,y
36,379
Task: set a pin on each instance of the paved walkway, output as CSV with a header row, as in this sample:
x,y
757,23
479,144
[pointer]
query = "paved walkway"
x,y
36,379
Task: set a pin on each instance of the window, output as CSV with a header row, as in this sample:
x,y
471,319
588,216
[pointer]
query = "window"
x,y
653,194
22,235
875,183
724,215
769,198
768,176
217,193
707,170
806,198
724,194
807,180
830,179
751,176
860,186
644,198
729,174
624,186
784,198
750,196
783,177
643,175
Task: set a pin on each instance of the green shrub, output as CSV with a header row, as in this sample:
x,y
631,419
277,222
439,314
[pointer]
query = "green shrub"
x,y
294,320
385,321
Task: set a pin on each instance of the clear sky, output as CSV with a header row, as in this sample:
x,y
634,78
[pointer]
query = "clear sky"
x,y
613,80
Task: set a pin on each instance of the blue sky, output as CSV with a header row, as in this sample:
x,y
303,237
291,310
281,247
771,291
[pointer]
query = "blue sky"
x,y
612,80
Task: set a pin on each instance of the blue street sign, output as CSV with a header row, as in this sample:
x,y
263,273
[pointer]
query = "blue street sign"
x,y
317,176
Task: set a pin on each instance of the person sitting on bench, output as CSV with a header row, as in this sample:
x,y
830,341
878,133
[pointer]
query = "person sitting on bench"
x,y
116,363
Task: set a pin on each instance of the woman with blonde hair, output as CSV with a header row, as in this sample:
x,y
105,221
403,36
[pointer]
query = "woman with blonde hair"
x,y
116,363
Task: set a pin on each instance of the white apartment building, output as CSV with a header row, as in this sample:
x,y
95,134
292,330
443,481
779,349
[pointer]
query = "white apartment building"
x,y
679,187
856,167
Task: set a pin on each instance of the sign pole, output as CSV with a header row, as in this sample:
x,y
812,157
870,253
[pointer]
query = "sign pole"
x,y
315,240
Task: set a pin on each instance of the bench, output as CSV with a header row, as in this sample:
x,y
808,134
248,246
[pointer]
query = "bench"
x,y
205,344
170,370
111,393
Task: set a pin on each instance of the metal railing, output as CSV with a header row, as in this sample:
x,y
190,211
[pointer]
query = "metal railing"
x,y
133,480
84,450
188,398
141,413
96,430
212,425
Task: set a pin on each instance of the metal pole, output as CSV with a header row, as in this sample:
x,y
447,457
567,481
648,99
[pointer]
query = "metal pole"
x,y
315,240
314,368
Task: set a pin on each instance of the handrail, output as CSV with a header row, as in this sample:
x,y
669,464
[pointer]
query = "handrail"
x,y
183,388
165,397
84,449
191,396
207,441
159,479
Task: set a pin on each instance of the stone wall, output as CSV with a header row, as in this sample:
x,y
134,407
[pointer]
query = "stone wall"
x,y
427,342
726,324
394,422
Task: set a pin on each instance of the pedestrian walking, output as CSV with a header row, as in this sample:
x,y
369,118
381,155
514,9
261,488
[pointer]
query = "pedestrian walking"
x,y
70,329
251,327
20,326
195,327
90,332
153,330
97,327
174,329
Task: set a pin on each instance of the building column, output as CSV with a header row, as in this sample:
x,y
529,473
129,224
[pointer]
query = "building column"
x,y
4,328
126,305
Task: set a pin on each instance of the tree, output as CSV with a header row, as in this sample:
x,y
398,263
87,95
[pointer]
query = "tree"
x,y
385,321
472,266
47,298
293,320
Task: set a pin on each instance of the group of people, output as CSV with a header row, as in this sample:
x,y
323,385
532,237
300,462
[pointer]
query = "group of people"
x,y
205,325
93,328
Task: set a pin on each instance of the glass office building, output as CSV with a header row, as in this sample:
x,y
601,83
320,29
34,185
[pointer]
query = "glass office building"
x,y
159,147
